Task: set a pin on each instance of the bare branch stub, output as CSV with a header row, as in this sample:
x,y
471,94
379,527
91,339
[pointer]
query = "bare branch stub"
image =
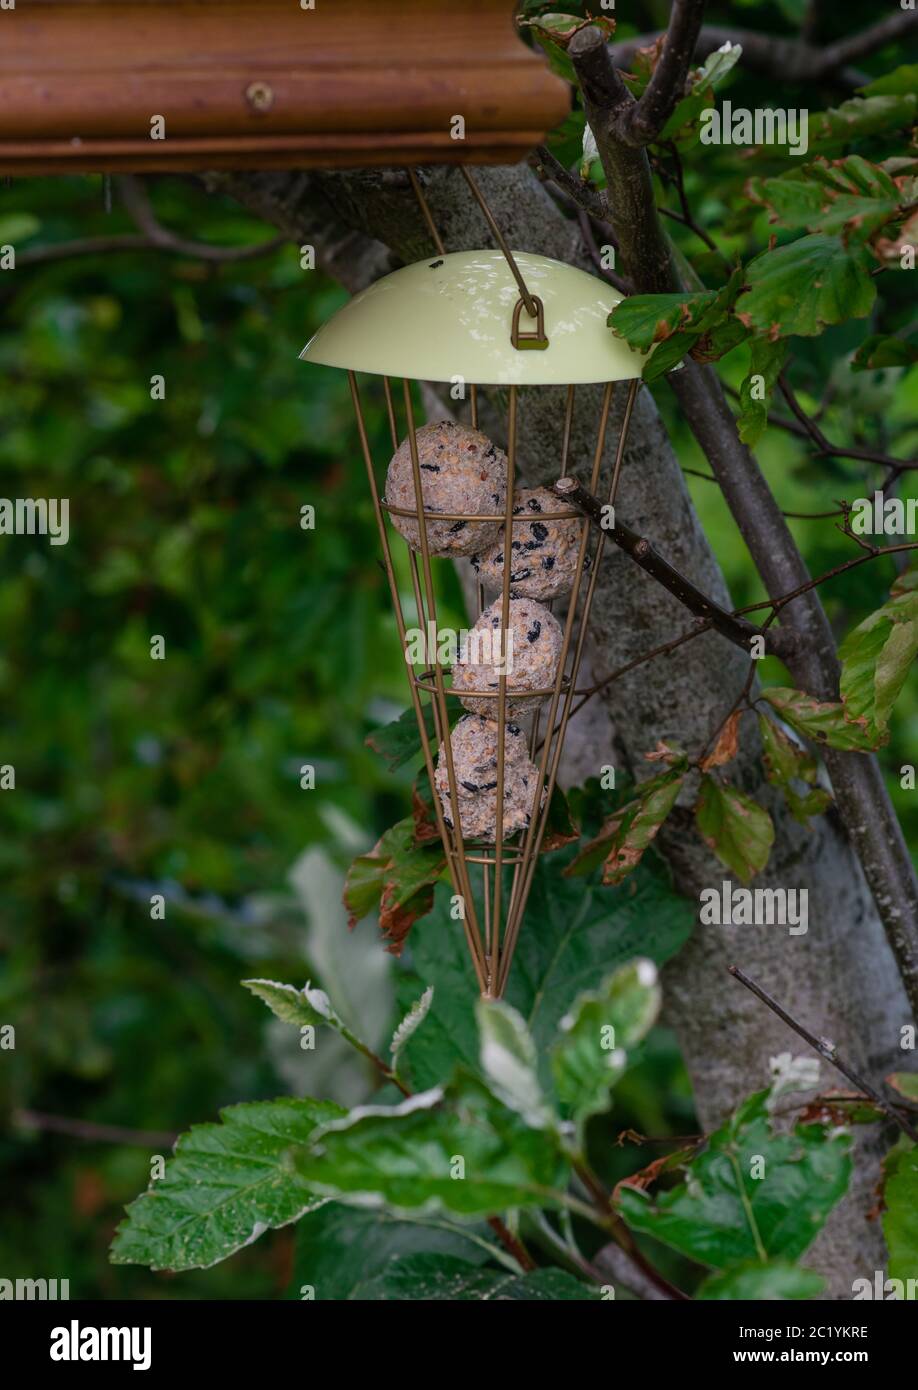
x,y
642,122
646,253
736,629
828,1051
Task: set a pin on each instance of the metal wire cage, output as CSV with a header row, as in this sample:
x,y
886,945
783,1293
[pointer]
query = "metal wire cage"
x,y
458,318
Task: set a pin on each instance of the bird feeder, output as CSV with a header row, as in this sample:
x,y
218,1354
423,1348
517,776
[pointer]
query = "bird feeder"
x,y
488,318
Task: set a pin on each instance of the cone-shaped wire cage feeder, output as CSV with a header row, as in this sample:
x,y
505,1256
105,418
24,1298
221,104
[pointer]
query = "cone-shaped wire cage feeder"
x,y
492,318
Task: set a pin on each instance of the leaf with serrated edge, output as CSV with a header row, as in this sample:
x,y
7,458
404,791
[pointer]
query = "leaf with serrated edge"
x,y
807,285
732,825
411,1022
590,1054
403,1157
584,932
722,1215
508,1061
900,1217
225,1185
430,1277
824,721
302,1007
876,659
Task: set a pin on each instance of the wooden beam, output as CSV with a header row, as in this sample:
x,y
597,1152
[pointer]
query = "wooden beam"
x,y
267,84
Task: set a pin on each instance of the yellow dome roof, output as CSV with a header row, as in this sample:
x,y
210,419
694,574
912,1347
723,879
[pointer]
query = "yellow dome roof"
x,y
450,316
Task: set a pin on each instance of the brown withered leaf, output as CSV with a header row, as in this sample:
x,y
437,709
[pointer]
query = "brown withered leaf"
x,y
396,918
397,879
644,1177
727,745
664,754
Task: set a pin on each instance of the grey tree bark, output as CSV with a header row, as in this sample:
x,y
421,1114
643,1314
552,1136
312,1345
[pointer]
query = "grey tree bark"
x,y
840,978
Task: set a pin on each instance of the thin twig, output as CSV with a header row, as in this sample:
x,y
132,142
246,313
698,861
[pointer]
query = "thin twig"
x,y
827,1050
619,1231
93,1133
151,236
824,448
778,603
729,625
641,123
547,166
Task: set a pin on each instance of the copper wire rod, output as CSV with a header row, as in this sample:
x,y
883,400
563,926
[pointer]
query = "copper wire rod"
x,y
566,436
571,514
428,216
465,888
496,911
539,820
393,426
400,623
502,243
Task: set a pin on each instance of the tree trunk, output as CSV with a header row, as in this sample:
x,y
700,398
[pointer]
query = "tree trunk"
x,y
839,978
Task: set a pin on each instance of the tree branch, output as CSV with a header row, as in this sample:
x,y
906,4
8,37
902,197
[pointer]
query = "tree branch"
x,y
791,60
734,628
645,250
547,167
152,236
860,794
93,1133
642,122
829,1052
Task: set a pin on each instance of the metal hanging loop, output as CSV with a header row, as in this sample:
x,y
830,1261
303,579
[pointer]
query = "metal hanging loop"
x,y
533,338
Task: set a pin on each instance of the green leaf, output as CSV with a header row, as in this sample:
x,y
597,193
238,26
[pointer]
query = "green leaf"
x,y
574,933
734,827
881,350
804,807
786,762
902,81
824,721
645,319
621,842
900,1218
765,361
560,827
590,1054
397,877
508,1061
340,1249
225,1185
860,117
400,741
876,658
723,1216
302,1007
411,1023
762,1283
427,1277
805,286
905,1082
457,1150
851,197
